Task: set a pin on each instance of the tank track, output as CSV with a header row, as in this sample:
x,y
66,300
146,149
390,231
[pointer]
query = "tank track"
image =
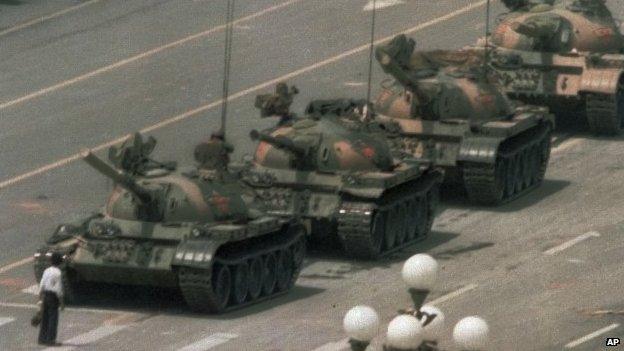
x,y
371,230
198,285
520,167
605,113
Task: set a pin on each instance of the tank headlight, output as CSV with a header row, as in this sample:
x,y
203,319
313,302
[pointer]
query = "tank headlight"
x,y
196,232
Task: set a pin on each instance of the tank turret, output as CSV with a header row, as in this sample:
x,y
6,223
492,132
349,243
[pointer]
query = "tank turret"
x,y
438,85
563,26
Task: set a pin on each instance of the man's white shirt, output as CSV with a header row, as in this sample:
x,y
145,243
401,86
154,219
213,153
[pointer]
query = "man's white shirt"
x,y
51,281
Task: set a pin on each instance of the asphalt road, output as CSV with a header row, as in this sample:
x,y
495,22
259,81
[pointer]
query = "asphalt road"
x,y
77,74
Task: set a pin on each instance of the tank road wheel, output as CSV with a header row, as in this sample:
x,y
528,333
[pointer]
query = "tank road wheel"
x,y
298,253
221,287
392,225
433,198
402,224
284,270
240,279
269,274
536,163
527,169
605,113
254,278
413,217
545,147
509,177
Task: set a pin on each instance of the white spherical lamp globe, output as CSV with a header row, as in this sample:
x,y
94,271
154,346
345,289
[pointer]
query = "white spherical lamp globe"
x,y
432,331
404,333
420,272
361,323
471,334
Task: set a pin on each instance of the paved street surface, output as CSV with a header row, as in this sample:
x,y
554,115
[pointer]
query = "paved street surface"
x,y
545,271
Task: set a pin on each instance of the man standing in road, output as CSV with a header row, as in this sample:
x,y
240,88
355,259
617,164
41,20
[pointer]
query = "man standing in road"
x,y
51,295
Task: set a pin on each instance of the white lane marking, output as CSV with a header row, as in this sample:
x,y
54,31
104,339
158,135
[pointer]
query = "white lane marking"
x,y
335,346
571,243
452,295
344,343
32,290
209,342
380,4
16,264
6,320
47,17
567,144
89,337
591,336
143,55
242,93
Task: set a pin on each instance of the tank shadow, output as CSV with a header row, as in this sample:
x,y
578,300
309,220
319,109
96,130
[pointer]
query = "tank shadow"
x,y
164,301
11,2
334,256
548,188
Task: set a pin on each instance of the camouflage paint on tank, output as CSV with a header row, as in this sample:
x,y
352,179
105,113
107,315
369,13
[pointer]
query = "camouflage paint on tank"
x,y
167,227
447,109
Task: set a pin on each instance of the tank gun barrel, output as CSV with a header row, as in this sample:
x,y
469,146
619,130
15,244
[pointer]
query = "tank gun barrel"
x,y
279,142
123,179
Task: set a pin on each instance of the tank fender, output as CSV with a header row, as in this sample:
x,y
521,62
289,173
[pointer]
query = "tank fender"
x,y
195,253
480,149
602,81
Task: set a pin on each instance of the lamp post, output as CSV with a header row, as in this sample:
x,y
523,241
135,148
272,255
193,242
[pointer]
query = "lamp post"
x,y
419,274
361,324
471,334
418,328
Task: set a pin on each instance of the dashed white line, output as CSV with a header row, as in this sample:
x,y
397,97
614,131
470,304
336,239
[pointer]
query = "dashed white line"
x,y
88,337
202,108
47,17
6,320
571,243
380,4
73,309
209,342
453,294
16,264
593,335
32,290
344,343
567,144
335,346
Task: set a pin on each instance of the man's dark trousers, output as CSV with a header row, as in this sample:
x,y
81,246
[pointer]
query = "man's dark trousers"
x,y
49,320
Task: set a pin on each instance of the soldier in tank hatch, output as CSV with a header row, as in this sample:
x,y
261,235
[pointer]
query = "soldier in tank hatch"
x,y
214,154
278,104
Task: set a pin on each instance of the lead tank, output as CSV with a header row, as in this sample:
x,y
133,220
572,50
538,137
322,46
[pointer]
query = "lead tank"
x,y
446,109
340,174
200,231
567,55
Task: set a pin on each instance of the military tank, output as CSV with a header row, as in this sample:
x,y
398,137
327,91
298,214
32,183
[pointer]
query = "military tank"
x,y
340,174
199,230
447,110
568,55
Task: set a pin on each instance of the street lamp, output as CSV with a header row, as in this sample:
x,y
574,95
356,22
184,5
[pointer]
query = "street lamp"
x,y
471,334
404,333
418,328
420,273
361,324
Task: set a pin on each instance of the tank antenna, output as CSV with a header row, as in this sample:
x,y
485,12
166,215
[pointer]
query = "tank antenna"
x,y
227,58
486,53
370,60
